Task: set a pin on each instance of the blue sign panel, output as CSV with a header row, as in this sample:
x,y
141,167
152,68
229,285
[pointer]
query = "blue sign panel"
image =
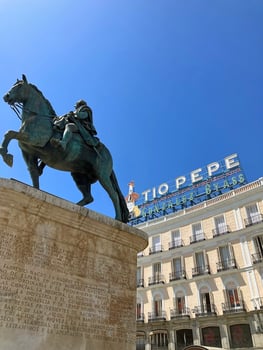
x,y
185,191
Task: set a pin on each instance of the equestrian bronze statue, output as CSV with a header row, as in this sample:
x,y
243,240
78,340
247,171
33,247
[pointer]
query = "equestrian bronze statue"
x,y
84,156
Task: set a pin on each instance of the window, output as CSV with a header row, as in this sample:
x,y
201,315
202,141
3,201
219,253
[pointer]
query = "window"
x,y
220,226
226,258
205,301
139,311
177,269
197,233
211,337
157,308
234,301
175,239
233,297
258,243
156,269
140,341
156,277
179,302
140,281
184,337
159,340
240,336
156,245
201,265
253,215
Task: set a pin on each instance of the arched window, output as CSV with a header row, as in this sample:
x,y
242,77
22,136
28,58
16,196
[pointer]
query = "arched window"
x,y
159,340
240,336
206,301
140,341
211,336
233,298
139,311
184,337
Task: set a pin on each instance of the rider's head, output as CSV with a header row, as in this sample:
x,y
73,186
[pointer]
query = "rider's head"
x,y
80,103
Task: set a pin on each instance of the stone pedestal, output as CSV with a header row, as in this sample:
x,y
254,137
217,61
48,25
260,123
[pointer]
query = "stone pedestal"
x,y
67,274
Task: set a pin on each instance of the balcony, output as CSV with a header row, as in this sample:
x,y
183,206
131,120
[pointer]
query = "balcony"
x,y
140,318
224,265
200,270
156,249
205,310
197,238
252,220
222,230
176,244
237,306
177,275
257,258
180,313
140,283
258,303
156,316
156,279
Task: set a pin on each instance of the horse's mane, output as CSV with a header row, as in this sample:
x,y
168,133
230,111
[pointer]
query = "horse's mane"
x,y
51,109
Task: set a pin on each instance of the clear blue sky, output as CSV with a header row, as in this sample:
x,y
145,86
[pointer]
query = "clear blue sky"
x,y
173,84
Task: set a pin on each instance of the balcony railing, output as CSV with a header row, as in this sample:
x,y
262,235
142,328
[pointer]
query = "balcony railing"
x,y
197,238
156,249
222,230
258,303
140,283
156,279
176,243
140,318
257,258
180,313
205,310
177,275
156,316
224,265
237,306
252,220
201,270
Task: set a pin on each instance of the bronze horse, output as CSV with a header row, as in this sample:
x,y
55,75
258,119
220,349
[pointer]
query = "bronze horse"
x,y
86,164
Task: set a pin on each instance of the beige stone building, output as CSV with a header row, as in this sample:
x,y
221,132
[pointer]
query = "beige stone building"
x,y
200,280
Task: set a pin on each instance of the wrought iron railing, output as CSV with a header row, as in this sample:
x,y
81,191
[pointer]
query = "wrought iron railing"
x,y
200,270
156,249
156,279
140,283
197,238
224,265
177,275
205,310
180,312
237,306
257,258
140,317
252,220
156,316
176,244
222,230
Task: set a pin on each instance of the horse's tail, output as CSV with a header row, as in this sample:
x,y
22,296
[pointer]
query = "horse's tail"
x,y
123,205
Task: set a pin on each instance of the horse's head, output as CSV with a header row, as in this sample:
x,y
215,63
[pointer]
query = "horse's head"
x,y
18,92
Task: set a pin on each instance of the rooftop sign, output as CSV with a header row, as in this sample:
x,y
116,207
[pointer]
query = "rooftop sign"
x,y
186,190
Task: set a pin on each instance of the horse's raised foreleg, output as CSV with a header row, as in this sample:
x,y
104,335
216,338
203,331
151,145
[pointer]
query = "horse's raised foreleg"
x,y
10,135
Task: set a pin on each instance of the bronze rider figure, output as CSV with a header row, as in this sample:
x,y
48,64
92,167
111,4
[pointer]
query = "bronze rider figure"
x,y
81,120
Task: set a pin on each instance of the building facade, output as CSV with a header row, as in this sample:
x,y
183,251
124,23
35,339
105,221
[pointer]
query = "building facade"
x,y
200,280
